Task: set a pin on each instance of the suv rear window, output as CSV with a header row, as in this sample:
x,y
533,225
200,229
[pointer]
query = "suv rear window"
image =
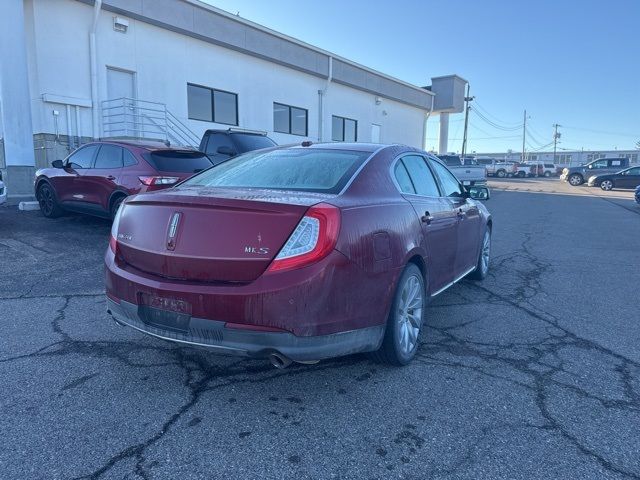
x,y
187,161
248,142
315,170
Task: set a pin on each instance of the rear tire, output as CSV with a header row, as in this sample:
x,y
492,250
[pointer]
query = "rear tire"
x,y
547,174
484,257
606,185
48,202
576,179
521,174
406,317
115,204
501,173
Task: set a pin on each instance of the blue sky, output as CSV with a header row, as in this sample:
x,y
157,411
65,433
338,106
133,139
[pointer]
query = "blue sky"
x,y
576,63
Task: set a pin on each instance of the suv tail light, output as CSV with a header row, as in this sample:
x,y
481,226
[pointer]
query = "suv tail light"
x,y
158,180
312,240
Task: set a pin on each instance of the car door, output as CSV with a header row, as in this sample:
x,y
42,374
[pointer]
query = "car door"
x,y
438,221
76,163
100,181
468,219
629,179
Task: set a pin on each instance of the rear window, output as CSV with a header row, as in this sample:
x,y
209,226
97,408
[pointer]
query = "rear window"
x,y
247,143
307,170
178,161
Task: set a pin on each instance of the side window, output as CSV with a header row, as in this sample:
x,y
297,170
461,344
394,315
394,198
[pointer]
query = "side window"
x,y
616,163
450,185
402,176
129,158
83,157
633,171
421,176
215,141
600,164
109,156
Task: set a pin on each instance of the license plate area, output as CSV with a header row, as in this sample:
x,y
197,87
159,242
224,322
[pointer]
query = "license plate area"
x,y
166,313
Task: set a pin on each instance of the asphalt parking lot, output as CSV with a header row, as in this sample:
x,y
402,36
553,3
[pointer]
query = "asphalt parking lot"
x,y
534,373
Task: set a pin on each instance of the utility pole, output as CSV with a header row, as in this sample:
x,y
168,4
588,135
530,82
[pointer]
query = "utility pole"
x,y
556,136
467,99
524,135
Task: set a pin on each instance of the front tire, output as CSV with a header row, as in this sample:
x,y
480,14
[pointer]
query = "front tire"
x,y
404,324
576,179
484,257
501,173
547,174
606,185
48,202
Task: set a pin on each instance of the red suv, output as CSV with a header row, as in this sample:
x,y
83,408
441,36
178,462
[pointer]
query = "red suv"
x,y
98,176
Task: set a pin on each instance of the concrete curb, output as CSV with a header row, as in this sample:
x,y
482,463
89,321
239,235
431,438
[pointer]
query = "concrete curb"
x,y
28,206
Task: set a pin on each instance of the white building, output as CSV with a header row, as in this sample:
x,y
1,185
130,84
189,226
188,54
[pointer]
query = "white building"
x,y
76,70
565,157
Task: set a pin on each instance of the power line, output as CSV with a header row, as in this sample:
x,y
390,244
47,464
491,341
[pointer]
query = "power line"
x,y
495,119
495,125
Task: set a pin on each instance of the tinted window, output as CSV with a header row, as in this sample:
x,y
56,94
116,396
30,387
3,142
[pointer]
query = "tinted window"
x,y
484,161
300,169
421,176
549,165
633,171
246,142
599,164
616,163
83,158
178,161
402,177
225,107
199,103
217,140
450,185
129,158
109,156
287,119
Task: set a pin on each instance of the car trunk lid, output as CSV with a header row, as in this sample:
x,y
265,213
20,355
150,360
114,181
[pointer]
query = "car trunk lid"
x,y
209,235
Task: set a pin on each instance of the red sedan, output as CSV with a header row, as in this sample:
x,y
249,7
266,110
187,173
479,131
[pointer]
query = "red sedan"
x,y
298,253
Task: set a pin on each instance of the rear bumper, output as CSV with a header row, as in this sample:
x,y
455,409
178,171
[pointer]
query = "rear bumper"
x,y
214,335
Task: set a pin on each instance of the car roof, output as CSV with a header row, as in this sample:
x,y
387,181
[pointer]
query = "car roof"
x,y
355,146
150,145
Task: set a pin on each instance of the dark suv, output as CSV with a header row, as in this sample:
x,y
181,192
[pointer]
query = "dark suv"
x,y
221,145
578,175
96,177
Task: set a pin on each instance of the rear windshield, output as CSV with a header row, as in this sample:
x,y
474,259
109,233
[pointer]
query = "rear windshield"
x,y
307,170
178,161
247,142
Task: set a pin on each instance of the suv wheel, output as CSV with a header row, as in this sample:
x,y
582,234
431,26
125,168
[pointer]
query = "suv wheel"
x,y
606,185
576,179
521,174
547,174
501,173
400,342
47,200
115,204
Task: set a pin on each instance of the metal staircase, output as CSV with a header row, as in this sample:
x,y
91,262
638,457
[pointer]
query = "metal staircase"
x,y
140,119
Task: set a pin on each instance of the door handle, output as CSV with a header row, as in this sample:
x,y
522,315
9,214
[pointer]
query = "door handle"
x,y
110,177
427,218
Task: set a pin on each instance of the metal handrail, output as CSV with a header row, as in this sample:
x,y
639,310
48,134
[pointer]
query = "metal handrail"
x,y
131,117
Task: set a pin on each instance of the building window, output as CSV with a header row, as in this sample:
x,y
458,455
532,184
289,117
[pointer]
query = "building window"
x,y
344,129
288,119
634,157
210,105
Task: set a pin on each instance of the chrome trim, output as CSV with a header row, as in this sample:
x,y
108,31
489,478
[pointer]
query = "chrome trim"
x,y
460,277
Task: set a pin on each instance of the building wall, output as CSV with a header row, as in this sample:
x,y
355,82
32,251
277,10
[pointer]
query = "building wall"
x,y
164,62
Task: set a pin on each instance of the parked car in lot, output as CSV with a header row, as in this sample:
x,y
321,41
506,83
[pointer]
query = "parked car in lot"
x,y
536,169
578,175
221,145
3,191
465,169
327,250
98,176
627,178
497,168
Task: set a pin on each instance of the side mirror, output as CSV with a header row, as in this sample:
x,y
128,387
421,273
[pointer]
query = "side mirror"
x,y
57,164
225,150
478,193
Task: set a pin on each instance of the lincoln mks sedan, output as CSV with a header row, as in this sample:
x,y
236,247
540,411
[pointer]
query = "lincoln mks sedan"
x,y
298,254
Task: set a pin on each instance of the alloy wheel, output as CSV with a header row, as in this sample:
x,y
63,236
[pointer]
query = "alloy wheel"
x,y
45,199
485,255
606,185
575,180
409,314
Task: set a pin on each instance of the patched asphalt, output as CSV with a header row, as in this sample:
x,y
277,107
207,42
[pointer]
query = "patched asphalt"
x,y
533,373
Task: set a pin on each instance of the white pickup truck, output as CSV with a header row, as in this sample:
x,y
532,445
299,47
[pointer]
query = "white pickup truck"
x,y
498,168
465,169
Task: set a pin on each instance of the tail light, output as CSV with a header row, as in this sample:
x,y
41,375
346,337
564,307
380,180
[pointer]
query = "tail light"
x,y
158,180
312,240
113,238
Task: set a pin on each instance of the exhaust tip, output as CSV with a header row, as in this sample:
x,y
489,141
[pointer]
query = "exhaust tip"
x,y
279,361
